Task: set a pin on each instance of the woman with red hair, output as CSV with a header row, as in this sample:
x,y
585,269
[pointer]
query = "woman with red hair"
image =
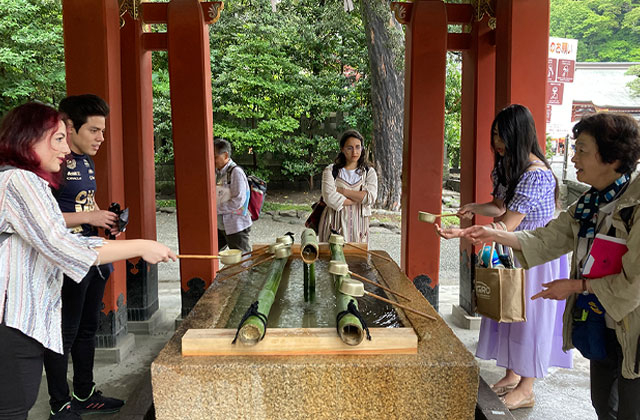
x,y
36,249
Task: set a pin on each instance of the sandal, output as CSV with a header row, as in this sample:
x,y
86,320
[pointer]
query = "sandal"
x,y
503,390
523,403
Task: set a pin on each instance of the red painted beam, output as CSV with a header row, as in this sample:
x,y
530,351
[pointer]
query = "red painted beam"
x,y
458,42
192,116
522,37
137,121
154,41
92,62
476,158
154,13
425,79
460,13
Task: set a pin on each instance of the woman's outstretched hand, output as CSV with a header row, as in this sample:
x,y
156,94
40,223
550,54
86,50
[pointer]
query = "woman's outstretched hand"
x,y
449,232
479,234
154,252
558,289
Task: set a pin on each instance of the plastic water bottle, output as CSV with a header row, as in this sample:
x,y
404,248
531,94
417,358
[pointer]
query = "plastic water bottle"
x,y
483,256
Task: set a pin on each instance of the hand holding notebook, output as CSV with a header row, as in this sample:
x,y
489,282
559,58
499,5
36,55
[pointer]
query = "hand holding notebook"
x,y
605,257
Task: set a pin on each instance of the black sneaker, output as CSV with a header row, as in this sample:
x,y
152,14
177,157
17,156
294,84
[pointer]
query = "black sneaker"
x,y
95,403
65,413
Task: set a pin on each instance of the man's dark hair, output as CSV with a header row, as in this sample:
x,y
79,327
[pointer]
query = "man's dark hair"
x,y
221,146
617,137
80,107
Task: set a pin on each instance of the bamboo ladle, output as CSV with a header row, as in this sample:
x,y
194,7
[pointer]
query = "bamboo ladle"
x,y
228,256
254,253
369,252
423,216
279,251
342,269
356,288
339,240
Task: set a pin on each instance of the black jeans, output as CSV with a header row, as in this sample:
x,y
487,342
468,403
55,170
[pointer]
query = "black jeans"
x,y
81,305
239,240
610,391
21,367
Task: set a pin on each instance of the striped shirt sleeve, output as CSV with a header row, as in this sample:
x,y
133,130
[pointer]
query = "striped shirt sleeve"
x,y
31,210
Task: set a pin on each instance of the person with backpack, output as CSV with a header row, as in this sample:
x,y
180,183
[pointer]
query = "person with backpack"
x,y
36,249
349,189
232,197
602,314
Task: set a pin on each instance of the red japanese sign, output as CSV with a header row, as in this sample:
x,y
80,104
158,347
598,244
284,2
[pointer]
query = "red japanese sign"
x,y
552,67
555,91
566,70
549,107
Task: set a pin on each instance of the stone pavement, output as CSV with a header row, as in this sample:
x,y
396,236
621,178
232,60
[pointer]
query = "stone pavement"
x,y
564,393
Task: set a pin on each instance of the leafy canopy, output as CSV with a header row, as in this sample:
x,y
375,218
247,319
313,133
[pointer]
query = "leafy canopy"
x,y
31,52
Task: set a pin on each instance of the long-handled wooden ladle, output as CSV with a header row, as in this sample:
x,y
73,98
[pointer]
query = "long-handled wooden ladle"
x,y
368,252
342,269
228,256
336,239
279,251
356,288
423,216
254,254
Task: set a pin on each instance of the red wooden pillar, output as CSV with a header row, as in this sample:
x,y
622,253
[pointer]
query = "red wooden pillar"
x,y
423,152
478,104
191,110
139,166
92,60
522,37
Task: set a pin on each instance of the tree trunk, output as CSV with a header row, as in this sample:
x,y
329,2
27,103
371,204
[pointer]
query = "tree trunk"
x,y
385,45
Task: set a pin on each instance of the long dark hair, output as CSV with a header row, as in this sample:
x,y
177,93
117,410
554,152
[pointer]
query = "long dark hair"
x,y
341,160
20,129
517,129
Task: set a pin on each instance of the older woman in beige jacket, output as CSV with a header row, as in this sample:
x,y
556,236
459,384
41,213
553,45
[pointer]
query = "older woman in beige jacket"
x,y
607,152
349,188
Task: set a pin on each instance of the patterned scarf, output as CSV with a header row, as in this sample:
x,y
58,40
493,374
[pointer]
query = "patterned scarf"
x,y
589,203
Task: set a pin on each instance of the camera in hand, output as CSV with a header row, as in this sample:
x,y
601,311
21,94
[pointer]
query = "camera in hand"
x,y
123,219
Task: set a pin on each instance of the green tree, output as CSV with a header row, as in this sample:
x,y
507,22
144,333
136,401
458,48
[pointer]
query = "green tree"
x,y
606,30
634,85
277,77
453,107
31,52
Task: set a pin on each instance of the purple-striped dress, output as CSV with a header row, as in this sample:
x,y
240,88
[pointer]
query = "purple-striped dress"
x,y
530,348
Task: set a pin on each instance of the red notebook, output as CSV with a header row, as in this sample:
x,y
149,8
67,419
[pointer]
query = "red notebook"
x,y
605,257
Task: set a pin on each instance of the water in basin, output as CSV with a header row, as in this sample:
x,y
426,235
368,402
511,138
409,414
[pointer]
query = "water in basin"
x,y
291,311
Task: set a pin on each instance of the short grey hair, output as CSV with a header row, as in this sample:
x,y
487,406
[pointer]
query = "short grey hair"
x,y
221,146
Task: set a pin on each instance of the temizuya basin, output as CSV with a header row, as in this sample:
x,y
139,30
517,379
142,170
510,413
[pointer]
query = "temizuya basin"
x,y
439,382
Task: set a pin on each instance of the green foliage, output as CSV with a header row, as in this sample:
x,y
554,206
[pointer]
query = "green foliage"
x,y
453,107
272,206
165,203
634,85
162,108
548,152
606,30
31,52
278,77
